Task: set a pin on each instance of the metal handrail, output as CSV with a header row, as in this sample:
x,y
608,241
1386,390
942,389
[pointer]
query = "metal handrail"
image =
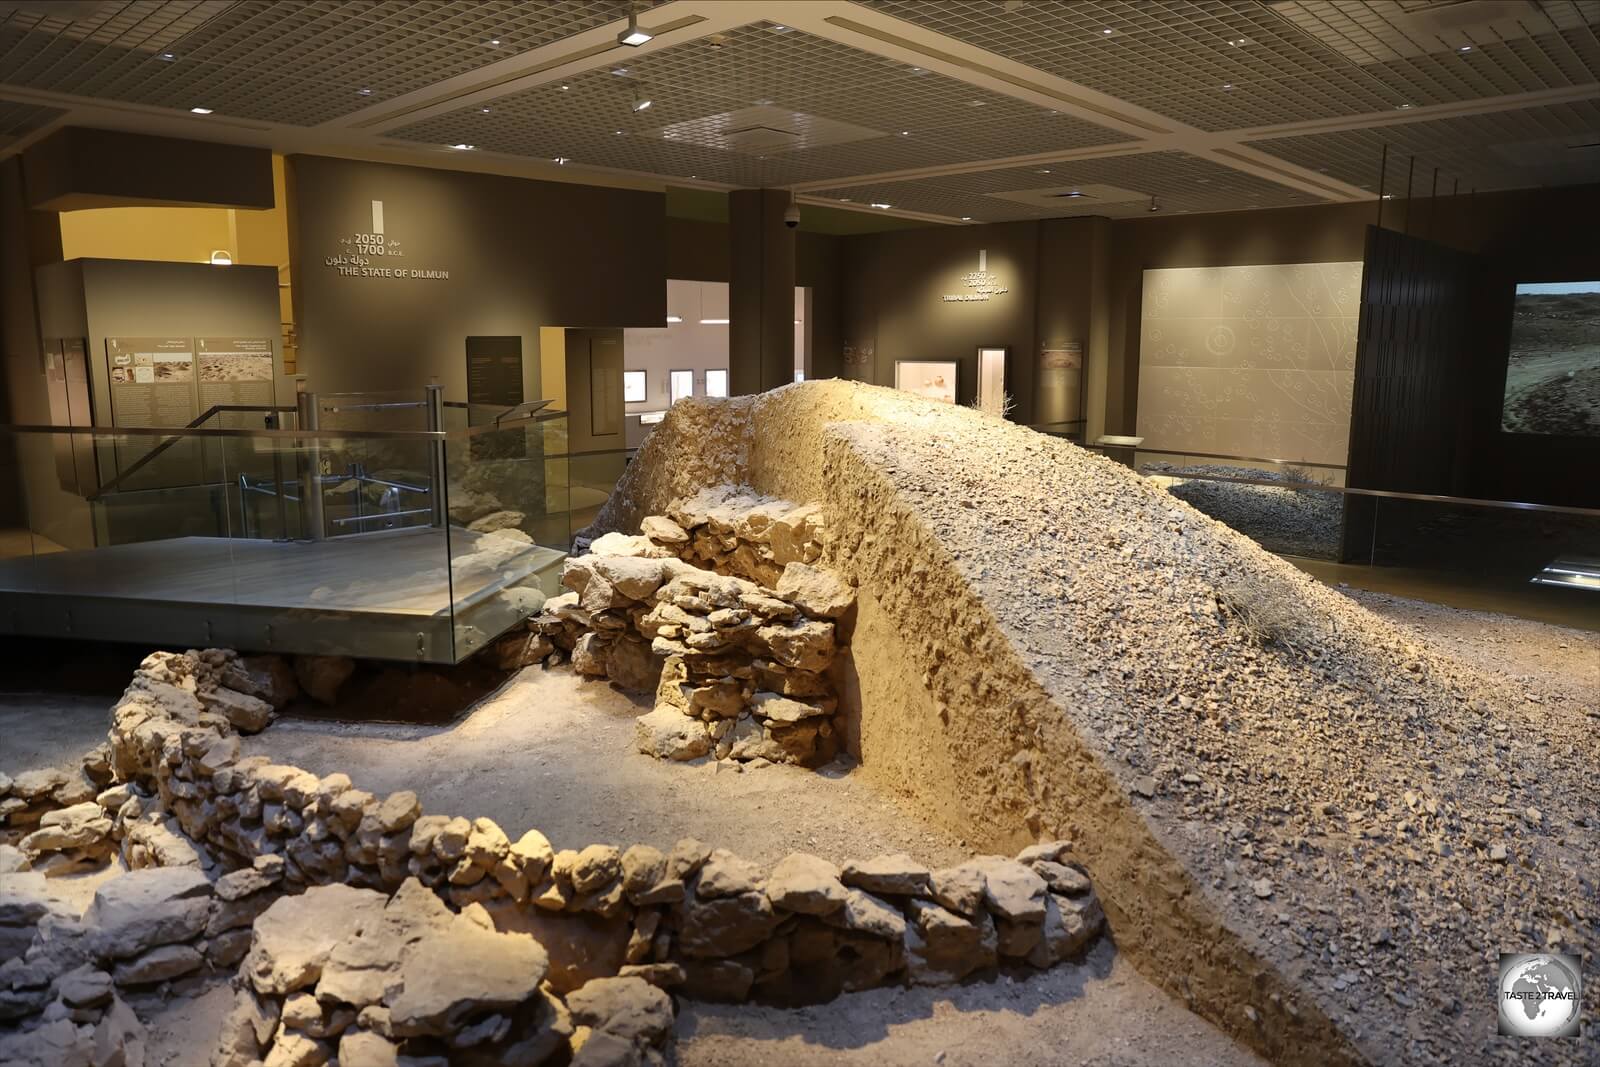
x,y
289,435
163,446
1392,494
1217,455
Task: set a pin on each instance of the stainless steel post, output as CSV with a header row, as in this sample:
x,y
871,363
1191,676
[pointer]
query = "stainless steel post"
x,y
435,396
277,486
308,459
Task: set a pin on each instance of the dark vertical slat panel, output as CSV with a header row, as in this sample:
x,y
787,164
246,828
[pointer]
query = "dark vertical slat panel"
x,y
1413,360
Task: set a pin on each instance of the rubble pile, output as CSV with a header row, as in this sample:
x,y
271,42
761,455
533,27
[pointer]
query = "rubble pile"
x,y
740,670
27,799
145,928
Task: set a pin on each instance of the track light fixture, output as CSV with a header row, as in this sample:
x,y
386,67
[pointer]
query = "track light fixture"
x,y
641,102
1153,205
633,36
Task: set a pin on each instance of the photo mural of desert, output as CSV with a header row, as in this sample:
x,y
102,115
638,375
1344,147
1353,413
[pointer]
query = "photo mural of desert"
x,y
229,367
1553,374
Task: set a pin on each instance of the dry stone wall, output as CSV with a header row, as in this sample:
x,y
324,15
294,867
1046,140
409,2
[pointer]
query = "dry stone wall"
x,y
366,929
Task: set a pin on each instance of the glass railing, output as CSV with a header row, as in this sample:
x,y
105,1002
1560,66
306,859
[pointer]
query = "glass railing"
x,y
1537,560
385,543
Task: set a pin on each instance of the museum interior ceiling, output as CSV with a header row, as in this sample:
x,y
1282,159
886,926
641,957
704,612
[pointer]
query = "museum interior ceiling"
x,y
947,112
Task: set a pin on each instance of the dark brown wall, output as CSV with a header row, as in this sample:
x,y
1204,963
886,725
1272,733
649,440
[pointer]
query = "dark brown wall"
x,y
818,265
521,254
25,400
83,168
894,284
697,251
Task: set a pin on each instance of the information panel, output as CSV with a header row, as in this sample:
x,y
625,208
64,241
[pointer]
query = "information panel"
x,y
235,370
152,384
152,381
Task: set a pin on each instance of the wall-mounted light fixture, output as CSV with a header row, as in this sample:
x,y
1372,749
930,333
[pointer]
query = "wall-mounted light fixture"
x,y
222,258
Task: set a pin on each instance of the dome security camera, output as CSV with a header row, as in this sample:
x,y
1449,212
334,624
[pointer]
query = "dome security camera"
x,y
791,215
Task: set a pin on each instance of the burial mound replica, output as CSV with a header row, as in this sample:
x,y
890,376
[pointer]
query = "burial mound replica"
x,y
1315,831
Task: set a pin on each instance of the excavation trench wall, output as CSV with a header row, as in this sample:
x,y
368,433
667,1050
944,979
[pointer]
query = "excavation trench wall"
x,y
950,715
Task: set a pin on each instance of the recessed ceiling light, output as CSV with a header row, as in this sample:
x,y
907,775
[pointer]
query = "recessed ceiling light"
x,y
1239,42
168,57
1464,48
1108,31
494,42
561,161
619,131
1045,171
883,207
976,103
1227,87
1405,107
363,92
200,110
565,86
918,70
778,27
642,104
485,110
633,36
1075,194
905,133
464,147
845,200
621,72
966,218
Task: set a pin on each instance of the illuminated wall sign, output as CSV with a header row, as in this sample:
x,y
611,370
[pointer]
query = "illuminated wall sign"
x,y
374,254
980,284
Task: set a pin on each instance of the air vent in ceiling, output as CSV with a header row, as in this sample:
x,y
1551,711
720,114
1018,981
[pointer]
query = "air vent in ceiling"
x,y
764,130
761,139
1057,196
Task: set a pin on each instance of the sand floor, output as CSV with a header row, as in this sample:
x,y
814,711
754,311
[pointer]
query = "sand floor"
x,y
550,750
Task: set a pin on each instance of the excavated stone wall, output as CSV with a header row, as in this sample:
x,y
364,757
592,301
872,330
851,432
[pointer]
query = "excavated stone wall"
x,y
480,937
1299,820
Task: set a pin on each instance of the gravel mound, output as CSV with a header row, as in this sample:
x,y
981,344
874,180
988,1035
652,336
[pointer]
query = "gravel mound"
x,y
1317,831
1293,519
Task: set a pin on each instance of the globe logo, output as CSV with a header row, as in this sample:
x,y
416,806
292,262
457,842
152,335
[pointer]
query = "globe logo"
x,y
1540,995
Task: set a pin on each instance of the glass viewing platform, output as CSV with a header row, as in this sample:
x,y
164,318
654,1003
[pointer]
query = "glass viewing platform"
x,y
391,526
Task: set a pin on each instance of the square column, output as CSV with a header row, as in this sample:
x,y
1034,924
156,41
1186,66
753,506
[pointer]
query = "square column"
x,y
760,292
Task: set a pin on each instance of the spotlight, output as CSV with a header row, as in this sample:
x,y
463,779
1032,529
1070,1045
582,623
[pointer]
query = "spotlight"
x,y
561,161
363,92
200,111
633,36
642,103
464,147
883,207
966,218
1153,205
